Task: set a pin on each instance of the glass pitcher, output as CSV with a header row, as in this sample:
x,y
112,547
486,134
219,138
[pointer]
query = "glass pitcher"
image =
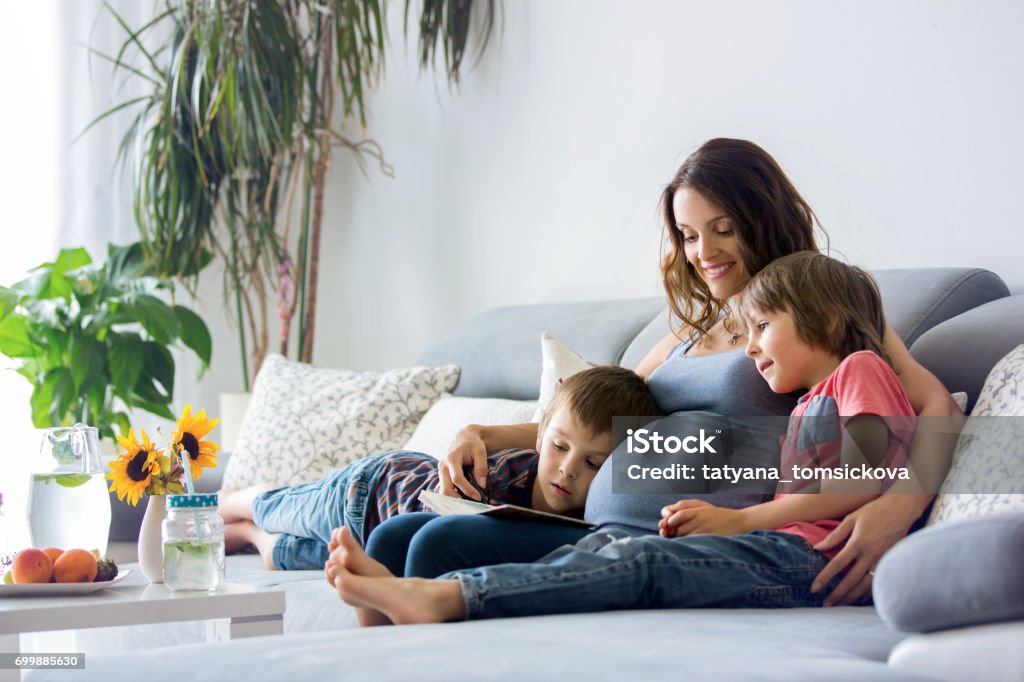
x,y
69,506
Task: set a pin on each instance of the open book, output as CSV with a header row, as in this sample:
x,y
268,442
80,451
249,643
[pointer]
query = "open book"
x,y
446,506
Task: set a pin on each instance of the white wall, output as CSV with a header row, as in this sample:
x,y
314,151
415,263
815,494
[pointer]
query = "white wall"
x,y
539,180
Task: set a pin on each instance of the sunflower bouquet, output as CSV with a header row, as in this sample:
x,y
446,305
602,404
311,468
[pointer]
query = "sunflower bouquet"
x,y
142,469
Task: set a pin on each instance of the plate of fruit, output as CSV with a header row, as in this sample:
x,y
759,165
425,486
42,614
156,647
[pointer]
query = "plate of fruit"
x,y
52,571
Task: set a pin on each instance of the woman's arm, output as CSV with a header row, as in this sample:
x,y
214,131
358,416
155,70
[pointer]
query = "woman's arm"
x,y
470,448
873,529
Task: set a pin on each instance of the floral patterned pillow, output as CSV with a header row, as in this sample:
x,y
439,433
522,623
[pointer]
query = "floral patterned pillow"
x,y
987,472
304,421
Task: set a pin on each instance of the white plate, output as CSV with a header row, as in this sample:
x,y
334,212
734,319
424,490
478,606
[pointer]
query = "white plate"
x,y
59,589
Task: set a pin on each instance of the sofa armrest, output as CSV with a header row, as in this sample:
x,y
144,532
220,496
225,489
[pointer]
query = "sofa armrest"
x,y
953,575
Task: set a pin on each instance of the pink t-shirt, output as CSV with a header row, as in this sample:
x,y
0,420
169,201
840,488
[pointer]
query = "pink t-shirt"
x,y
863,384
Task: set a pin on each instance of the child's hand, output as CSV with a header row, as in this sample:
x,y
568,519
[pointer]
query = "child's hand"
x,y
690,517
468,450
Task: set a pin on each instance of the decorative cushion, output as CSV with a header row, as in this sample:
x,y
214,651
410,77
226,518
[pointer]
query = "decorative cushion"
x,y
955,574
559,362
303,421
449,414
987,471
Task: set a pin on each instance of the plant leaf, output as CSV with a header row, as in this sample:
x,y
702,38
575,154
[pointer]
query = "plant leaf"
x,y
124,356
87,361
159,364
195,335
8,301
14,339
156,317
52,398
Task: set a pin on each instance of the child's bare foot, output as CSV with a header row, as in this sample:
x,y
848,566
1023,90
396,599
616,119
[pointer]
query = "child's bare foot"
x,y
346,554
235,504
355,559
243,533
403,600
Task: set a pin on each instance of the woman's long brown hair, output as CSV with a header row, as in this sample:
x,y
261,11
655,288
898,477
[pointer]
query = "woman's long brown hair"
x,y
769,216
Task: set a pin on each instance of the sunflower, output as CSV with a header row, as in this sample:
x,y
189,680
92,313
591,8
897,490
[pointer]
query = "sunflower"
x,y
134,468
189,437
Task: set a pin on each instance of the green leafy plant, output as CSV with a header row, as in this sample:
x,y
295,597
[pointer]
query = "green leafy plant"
x,y
245,102
94,340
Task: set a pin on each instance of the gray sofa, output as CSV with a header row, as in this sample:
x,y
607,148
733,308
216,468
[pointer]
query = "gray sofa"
x,y
934,310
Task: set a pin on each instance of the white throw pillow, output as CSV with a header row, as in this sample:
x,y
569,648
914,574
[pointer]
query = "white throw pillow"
x,y
437,429
304,421
988,462
960,398
559,362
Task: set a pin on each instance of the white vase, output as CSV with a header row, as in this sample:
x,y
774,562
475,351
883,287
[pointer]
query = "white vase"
x,y
151,544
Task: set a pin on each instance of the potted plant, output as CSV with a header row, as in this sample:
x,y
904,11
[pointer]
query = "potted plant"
x,y
246,102
95,340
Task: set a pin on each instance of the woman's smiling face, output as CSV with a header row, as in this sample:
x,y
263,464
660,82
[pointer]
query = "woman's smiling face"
x,y
709,243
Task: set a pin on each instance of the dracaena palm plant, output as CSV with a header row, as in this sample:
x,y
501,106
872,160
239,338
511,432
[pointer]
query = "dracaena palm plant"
x,y
245,102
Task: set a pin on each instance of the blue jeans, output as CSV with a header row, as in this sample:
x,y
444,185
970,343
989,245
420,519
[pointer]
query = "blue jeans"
x,y
611,570
305,515
426,545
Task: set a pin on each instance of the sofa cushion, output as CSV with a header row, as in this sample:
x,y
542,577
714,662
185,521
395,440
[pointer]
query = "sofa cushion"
x,y
917,299
988,652
558,363
987,471
954,574
498,353
437,429
304,421
961,351
847,644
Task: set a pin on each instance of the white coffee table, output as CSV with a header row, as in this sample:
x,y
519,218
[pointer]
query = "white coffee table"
x,y
233,611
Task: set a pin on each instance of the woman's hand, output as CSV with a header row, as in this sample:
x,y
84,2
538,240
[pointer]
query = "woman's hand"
x,y
688,517
468,449
869,532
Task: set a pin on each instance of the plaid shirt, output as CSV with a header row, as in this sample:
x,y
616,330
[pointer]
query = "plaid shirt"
x,y
405,475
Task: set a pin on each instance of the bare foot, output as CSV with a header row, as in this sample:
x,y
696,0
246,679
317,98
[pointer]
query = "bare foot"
x,y
403,600
242,533
235,504
355,559
348,555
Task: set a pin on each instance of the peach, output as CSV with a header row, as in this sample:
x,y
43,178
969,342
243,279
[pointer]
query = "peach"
x,y
53,553
75,566
31,566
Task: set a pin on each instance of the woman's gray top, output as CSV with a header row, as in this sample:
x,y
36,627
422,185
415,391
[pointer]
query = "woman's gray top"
x,y
722,384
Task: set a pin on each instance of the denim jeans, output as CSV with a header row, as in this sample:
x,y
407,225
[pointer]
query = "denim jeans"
x,y
305,515
425,545
611,570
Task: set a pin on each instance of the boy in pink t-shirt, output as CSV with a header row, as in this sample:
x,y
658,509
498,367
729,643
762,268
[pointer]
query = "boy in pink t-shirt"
x,y
813,324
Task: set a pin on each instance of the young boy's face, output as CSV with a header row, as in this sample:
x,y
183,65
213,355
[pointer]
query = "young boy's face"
x,y
785,361
569,459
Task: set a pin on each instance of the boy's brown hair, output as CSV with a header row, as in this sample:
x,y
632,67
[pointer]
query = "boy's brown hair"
x,y
835,306
596,395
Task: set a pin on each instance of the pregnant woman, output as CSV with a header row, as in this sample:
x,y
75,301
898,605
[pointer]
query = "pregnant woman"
x,y
729,211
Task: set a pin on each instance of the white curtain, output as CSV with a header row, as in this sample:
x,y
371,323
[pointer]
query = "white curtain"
x,y
54,193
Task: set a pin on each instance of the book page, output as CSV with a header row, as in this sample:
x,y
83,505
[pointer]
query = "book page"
x,y
446,506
